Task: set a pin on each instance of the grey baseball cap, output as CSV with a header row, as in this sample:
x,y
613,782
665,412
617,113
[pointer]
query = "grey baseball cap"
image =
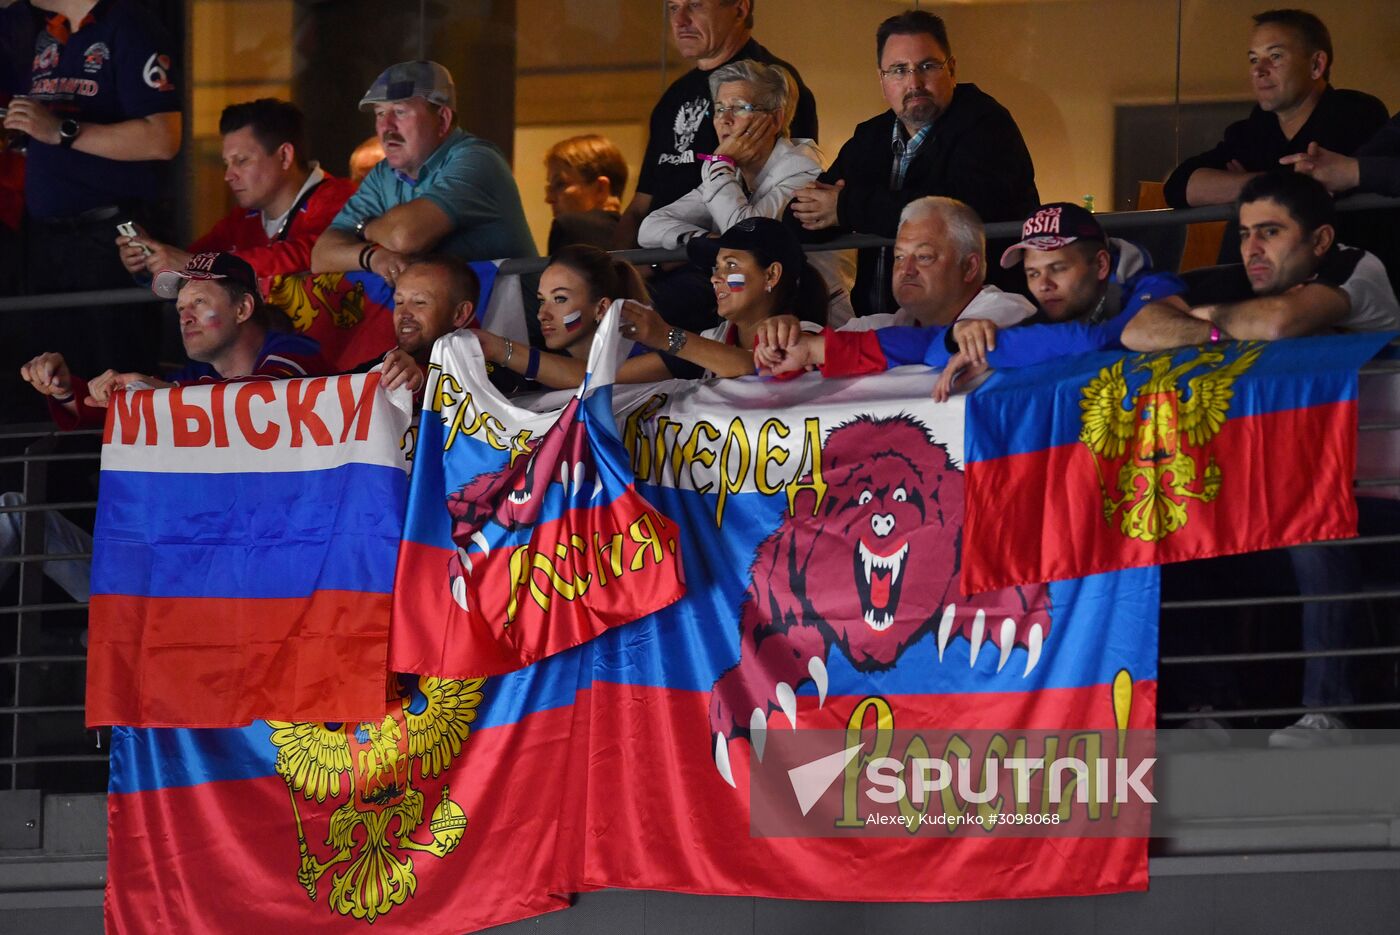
x,y
427,80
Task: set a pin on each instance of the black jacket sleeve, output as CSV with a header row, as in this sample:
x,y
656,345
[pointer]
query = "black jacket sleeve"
x,y
1216,158
1379,160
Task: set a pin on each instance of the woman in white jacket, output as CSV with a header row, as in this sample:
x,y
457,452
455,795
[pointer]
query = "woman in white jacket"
x,y
752,173
754,170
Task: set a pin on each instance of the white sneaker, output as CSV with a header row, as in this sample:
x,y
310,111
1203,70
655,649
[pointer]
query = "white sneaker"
x,y
1311,731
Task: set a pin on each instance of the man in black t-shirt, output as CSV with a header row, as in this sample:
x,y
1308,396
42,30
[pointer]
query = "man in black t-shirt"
x,y
710,33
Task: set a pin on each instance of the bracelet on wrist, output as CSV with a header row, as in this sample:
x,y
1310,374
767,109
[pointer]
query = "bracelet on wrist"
x,y
367,254
510,349
718,160
532,364
63,400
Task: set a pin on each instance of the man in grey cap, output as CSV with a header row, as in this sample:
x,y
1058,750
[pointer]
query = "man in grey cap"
x,y
438,189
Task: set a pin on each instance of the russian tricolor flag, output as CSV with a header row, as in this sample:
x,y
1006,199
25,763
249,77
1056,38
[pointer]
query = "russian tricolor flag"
x,y
244,552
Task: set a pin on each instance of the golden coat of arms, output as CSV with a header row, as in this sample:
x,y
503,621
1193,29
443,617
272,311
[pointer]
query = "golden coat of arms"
x,y
372,834
1150,429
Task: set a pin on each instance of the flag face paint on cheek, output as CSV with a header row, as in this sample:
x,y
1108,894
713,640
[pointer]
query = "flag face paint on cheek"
x,y
573,320
735,282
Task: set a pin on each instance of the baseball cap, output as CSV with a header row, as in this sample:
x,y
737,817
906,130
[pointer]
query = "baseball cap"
x,y
768,240
427,80
205,266
1051,227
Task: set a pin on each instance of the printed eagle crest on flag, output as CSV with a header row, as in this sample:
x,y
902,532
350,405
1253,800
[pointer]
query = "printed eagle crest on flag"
x,y
1157,478
373,764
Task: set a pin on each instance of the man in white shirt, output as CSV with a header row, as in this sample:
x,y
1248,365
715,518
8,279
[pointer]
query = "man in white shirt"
x,y
940,272
1295,280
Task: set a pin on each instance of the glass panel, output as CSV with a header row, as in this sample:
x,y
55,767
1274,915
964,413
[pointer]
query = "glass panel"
x,y
240,50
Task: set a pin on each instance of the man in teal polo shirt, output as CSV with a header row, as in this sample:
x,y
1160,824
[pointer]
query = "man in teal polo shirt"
x,y
438,189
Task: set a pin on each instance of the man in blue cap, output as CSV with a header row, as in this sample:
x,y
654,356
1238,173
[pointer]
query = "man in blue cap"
x,y
438,189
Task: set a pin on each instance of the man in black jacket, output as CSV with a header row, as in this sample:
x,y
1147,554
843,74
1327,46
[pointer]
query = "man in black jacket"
x,y
938,138
1290,64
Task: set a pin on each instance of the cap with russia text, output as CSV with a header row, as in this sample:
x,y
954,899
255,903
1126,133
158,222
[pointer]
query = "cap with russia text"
x,y
1051,227
167,282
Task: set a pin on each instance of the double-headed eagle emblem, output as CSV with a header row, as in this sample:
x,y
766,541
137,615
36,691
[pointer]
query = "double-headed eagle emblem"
x,y
374,763
1157,478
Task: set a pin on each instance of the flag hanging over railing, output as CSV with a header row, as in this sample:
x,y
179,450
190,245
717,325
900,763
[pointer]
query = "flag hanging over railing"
x,y
244,552
1118,460
819,526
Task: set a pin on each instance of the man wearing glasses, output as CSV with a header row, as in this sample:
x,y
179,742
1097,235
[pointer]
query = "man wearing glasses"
x,y
939,137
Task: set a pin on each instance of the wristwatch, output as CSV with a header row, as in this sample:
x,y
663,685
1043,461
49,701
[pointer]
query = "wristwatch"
x,y
68,132
360,227
675,340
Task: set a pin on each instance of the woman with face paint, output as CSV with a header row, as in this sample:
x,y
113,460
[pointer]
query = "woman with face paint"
x,y
757,270
575,291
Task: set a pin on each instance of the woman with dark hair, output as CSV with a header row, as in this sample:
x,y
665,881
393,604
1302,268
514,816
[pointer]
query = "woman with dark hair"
x,y
575,291
757,270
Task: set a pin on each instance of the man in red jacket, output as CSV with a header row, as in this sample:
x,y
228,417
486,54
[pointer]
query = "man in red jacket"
x,y
284,202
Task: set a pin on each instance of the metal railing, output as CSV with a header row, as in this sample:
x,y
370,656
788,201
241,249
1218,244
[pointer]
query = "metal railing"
x,y
26,666
1114,222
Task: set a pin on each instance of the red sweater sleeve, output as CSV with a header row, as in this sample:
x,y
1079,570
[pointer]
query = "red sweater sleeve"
x,y
87,417
852,353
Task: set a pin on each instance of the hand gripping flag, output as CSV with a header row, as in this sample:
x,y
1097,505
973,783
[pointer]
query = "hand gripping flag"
x,y
525,534
244,552
1162,457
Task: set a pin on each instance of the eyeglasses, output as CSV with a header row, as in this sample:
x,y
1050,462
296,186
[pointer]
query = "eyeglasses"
x,y
739,110
903,70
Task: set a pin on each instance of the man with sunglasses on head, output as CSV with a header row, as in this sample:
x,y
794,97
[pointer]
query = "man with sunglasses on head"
x,y
939,137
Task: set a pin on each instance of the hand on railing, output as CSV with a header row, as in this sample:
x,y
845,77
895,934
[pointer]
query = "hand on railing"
x,y
815,205
1336,172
